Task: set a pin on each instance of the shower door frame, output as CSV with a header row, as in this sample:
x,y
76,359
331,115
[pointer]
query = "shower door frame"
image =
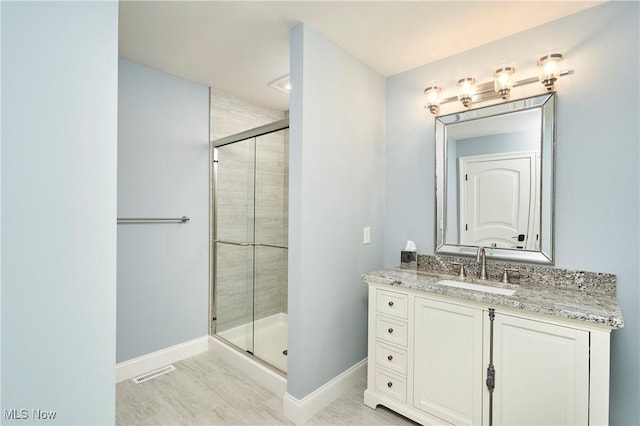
x,y
213,232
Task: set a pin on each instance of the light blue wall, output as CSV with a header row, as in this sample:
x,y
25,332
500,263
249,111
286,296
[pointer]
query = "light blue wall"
x,y
59,136
1,405
336,188
163,171
597,185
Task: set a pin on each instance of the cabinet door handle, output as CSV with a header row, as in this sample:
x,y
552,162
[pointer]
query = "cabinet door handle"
x,y
390,357
389,384
390,330
390,302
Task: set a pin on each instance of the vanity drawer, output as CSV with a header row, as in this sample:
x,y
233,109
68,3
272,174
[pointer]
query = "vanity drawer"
x,y
391,358
391,331
391,385
391,303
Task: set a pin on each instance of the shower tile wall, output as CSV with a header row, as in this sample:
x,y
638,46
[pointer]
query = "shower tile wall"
x,y
271,223
231,115
285,219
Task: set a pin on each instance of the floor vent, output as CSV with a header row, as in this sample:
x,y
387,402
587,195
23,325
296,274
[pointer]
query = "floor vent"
x,y
153,374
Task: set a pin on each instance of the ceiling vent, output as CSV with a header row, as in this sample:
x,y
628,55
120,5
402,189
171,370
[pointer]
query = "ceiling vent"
x,y
283,84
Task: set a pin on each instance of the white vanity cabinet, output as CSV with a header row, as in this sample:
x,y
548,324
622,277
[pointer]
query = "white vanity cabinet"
x,y
388,344
448,361
429,357
542,373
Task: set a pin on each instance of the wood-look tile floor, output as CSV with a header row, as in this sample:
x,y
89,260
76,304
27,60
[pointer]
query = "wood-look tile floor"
x,y
205,391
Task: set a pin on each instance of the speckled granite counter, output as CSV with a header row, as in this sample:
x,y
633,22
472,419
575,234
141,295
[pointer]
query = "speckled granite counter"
x,y
594,307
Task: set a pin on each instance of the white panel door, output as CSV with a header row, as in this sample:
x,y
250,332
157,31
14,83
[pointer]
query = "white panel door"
x,y
448,361
497,200
542,373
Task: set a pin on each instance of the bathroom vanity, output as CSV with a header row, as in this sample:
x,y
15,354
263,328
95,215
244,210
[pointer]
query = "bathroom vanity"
x,y
447,348
445,354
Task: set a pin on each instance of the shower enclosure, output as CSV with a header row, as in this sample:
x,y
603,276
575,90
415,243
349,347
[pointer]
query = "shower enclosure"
x,y
250,183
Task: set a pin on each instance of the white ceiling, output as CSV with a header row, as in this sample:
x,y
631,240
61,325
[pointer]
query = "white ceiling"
x,y
240,46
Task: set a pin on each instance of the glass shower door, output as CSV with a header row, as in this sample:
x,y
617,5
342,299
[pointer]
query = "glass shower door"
x,y
270,254
234,243
250,245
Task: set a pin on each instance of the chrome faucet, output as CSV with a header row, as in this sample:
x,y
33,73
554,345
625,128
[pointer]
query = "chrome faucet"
x,y
483,269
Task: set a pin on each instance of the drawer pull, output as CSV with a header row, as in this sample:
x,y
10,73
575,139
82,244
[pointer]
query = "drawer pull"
x,y
389,384
390,302
390,330
390,357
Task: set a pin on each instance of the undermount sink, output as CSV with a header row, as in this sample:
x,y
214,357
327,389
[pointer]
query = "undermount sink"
x,y
478,287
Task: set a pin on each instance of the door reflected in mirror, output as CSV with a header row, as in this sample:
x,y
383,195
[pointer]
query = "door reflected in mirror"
x,y
494,180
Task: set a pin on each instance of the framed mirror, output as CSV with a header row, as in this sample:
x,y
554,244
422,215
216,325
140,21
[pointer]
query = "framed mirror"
x,y
495,180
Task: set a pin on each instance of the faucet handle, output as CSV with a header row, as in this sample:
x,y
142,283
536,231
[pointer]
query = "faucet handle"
x,y
462,273
505,274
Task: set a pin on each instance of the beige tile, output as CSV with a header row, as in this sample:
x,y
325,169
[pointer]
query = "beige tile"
x,y
205,391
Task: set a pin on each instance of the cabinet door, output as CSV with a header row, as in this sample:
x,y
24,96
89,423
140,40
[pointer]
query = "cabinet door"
x,y
448,369
542,373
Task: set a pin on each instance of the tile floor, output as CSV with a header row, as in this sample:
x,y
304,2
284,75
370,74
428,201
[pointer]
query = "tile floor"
x,y
205,391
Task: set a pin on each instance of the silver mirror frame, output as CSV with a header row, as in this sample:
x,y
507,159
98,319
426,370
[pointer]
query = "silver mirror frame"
x,y
547,103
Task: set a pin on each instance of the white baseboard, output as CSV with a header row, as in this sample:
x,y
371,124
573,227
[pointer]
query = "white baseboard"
x,y
137,366
258,372
299,411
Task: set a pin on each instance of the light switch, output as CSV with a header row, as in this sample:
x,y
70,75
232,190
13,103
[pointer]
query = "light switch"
x,y
367,235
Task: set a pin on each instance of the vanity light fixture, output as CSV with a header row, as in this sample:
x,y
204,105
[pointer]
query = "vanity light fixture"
x,y
503,80
469,91
549,65
466,90
432,93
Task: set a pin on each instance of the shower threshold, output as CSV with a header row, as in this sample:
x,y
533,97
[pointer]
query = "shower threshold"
x,y
269,339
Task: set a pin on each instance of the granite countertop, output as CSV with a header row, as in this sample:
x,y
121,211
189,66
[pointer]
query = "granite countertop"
x,y
592,307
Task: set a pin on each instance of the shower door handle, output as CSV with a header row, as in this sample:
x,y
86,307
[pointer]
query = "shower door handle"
x,y
235,243
238,243
270,245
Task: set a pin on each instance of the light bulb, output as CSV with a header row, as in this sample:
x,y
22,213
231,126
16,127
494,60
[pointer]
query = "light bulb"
x,y
549,65
432,93
503,80
466,90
